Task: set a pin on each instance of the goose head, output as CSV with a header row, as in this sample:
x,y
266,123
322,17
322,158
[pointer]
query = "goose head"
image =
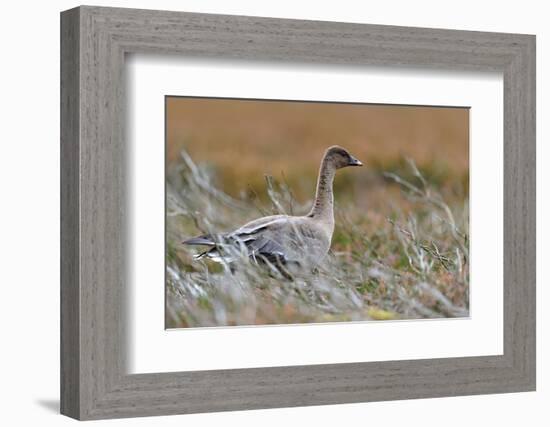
x,y
339,157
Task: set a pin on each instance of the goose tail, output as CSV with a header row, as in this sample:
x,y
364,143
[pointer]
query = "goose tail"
x,y
206,239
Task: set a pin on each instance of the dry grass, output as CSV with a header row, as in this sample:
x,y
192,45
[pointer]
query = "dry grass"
x,y
411,264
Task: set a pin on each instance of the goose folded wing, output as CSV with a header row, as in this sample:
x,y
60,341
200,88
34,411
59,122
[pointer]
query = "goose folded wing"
x,y
260,239
264,249
241,234
259,248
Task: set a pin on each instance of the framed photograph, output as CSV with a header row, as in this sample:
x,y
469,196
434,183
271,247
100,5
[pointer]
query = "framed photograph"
x,y
262,213
331,244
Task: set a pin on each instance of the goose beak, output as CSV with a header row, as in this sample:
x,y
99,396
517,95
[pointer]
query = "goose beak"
x,y
354,162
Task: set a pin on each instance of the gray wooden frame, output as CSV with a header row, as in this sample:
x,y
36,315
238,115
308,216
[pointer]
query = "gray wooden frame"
x,y
94,41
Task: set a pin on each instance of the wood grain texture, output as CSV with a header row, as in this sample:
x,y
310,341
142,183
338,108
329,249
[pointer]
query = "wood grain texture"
x,y
70,292
94,198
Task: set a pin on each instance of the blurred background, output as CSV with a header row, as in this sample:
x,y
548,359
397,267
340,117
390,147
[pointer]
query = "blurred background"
x,y
241,141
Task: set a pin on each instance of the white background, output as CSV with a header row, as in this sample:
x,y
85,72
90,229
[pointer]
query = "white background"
x,y
29,238
152,349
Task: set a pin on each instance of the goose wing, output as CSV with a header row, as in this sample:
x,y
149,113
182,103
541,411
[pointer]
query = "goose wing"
x,y
242,233
260,238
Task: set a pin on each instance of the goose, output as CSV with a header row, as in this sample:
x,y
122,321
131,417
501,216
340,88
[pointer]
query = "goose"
x,y
284,240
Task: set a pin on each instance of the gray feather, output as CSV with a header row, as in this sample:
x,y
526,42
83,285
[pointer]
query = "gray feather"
x,y
206,240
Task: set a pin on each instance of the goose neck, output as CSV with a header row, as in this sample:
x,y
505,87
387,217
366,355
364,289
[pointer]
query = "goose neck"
x,y
323,206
